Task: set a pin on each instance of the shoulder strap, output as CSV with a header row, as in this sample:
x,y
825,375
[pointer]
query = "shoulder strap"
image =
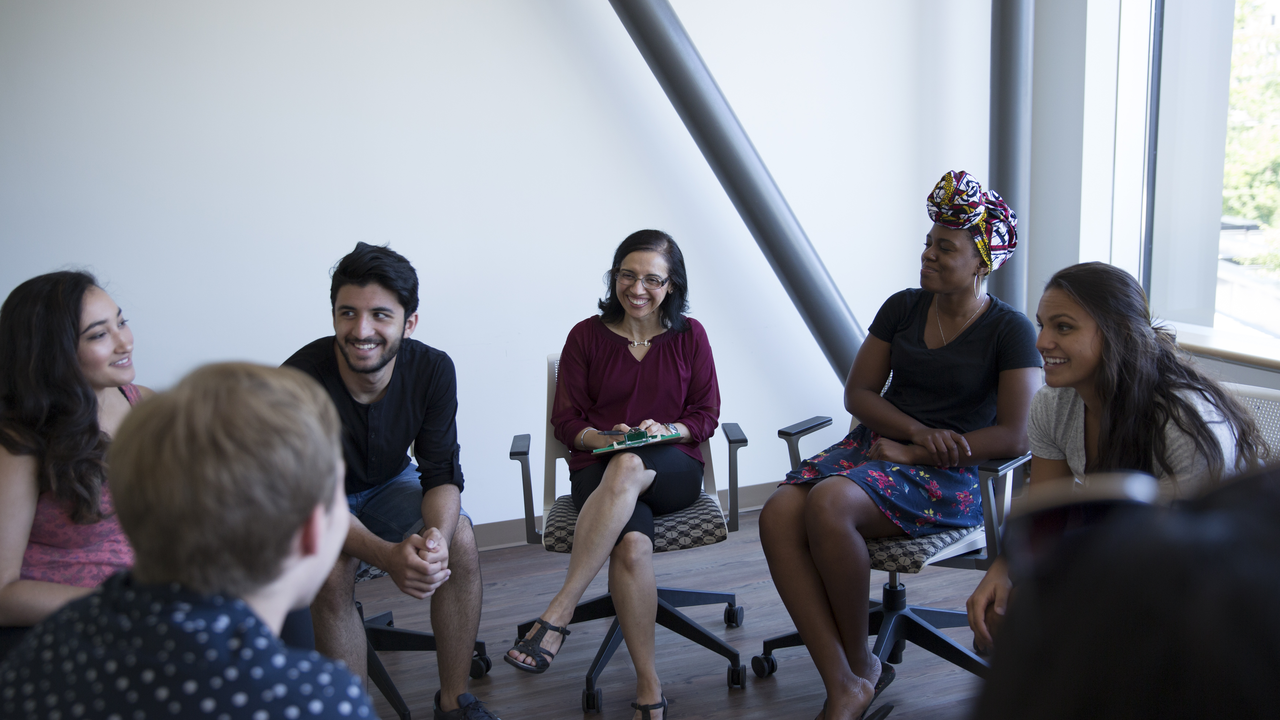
x,y
131,393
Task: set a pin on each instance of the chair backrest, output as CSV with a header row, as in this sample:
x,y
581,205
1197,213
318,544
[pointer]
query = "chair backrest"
x,y
556,450
1264,403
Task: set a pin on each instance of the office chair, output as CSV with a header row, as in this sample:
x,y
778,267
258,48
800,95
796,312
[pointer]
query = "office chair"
x,y
892,620
702,523
1264,403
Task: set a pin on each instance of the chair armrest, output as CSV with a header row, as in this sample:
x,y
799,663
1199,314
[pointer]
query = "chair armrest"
x,y
791,434
737,440
520,446
1000,466
520,453
995,478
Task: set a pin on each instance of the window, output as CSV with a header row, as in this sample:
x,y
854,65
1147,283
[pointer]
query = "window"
x,y
1248,291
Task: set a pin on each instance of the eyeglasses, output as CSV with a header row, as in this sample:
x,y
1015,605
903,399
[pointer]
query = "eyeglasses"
x,y
651,282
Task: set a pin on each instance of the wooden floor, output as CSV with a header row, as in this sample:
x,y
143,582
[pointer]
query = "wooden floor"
x,y
519,582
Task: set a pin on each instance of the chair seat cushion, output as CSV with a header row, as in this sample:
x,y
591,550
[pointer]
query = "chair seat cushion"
x,y
909,555
369,572
701,523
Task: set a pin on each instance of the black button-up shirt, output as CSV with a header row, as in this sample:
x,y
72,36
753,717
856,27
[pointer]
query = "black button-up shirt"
x,y
419,407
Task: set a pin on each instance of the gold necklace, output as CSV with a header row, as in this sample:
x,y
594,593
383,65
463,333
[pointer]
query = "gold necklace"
x,y
938,316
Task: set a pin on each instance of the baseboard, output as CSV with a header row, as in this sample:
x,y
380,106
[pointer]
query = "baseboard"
x,y
501,534
510,533
751,497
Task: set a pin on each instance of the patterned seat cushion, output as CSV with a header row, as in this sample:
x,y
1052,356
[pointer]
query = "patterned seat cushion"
x,y
909,555
369,572
699,524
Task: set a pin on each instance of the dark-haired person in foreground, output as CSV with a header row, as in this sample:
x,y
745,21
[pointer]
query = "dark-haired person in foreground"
x,y
392,392
1157,614
192,630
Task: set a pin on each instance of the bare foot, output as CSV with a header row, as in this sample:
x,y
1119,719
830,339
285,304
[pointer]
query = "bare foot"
x,y
852,701
551,642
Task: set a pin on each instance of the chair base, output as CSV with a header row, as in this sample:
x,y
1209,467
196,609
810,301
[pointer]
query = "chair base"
x,y
668,617
381,634
894,623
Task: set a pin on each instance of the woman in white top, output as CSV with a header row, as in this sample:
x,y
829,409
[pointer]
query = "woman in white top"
x,y
1119,395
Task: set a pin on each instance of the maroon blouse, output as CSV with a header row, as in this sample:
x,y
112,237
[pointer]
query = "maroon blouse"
x,y
602,384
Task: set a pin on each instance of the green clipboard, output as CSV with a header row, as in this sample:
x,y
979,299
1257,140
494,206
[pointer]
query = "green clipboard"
x,y
635,438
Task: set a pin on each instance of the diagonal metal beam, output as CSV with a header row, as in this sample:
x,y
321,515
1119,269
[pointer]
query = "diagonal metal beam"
x,y
684,77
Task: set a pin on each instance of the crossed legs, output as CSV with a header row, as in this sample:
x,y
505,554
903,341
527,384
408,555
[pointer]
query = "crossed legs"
x,y
812,537
631,579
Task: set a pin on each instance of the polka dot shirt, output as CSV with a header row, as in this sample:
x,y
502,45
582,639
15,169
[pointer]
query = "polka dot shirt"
x,y
139,652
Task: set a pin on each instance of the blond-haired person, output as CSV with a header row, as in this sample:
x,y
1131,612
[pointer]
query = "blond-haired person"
x,y
229,489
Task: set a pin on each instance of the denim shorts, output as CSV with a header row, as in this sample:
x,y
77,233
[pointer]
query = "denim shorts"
x,y
392,510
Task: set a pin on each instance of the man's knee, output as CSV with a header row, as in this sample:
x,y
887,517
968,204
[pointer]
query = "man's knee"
x,y
464,555
338,590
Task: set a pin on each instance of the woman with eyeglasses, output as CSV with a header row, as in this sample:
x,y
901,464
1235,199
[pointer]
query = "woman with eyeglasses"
x,y
66,383
964,367
1119,395
641,364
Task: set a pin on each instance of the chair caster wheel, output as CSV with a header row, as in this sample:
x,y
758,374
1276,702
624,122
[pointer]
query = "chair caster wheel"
x,y
733,616
592,701
737,676
480,666
764,665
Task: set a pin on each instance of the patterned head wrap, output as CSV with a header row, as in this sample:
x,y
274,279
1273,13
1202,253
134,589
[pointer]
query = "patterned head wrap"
x,y
958,202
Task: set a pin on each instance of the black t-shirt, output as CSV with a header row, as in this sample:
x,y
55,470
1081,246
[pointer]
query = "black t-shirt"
x,y
952,387
419,407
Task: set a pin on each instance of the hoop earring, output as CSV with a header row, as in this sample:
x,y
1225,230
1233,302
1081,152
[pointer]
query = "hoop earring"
x,y
975,286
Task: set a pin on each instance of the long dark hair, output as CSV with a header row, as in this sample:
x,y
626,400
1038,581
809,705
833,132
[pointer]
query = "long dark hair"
x,y
1143,379
47,408
676,303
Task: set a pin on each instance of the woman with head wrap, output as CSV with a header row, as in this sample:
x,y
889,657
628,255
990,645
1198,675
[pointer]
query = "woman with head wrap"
x,y
964,368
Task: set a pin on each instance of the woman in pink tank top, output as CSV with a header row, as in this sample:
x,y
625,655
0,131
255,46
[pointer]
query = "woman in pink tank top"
x,y
66,382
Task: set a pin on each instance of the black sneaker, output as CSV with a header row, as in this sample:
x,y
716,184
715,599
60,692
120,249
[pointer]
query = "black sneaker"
x,y
469,708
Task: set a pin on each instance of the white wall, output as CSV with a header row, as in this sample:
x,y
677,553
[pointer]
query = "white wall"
x,y
1054,228
210,162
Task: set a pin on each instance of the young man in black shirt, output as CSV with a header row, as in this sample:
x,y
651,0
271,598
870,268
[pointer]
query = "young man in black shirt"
x,y
393,392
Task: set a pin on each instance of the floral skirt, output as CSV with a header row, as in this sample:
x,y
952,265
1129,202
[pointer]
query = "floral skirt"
x,y
919,499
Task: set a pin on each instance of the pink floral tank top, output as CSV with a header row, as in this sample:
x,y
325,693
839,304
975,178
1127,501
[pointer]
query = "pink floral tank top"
x,y
60,551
